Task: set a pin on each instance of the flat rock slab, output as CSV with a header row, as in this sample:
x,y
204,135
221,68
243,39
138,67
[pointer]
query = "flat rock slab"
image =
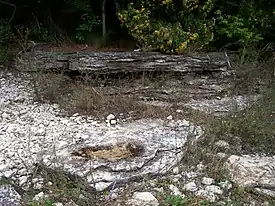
x,y
32,133
117,62
163,144
254,172
222,106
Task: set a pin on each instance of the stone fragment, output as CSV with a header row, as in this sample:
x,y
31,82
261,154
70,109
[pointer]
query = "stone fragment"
x,y
41,132
191,186
175,191
113,121
110,117
225,185
57,204
252,171
39,196
176,170
170,117
200,167
143,199
214,189
207,181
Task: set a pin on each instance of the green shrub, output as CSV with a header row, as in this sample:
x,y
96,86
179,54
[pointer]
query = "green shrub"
x,y
42,33
88,22
187,30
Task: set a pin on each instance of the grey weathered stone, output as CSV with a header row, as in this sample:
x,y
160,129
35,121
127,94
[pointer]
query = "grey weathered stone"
x,y
253,172
117,62
191,186
175,191
64,135
39,196
176,170
225,184
143,199
110,117
8,196
57,204
214,189
207,181
224,105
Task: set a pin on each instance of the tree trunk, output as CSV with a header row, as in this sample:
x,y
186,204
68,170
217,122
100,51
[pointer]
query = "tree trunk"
x,y
103,18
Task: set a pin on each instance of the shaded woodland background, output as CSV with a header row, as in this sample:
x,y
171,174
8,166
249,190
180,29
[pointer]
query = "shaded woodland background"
x,y
169,26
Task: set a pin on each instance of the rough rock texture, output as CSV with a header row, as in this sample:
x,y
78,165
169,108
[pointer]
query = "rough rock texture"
x,y
253,172
202,81
32,133
8,196
118,62
143,199
224,105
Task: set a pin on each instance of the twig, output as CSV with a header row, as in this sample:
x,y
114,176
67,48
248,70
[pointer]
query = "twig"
x,y
228,61
12,5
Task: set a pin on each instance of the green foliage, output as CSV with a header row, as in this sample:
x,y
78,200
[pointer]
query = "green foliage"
x,y
6,38
166,25
43,202
175,200
247,25
235,28
88,22
42,33
175,36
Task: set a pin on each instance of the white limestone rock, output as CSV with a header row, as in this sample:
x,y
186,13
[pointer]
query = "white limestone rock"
x,y
57,204
214,189
32,132
143,199
207,181
175,191
170,117
8,196
176,170
113,122
110,117
227,185
39,196
250,171
191,186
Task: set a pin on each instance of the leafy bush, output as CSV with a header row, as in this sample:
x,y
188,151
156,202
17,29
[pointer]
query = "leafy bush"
x,y
247,24
42,33
168,36
88,22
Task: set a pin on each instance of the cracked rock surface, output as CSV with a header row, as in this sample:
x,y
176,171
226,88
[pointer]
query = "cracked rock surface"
x,y
256,172
32,132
